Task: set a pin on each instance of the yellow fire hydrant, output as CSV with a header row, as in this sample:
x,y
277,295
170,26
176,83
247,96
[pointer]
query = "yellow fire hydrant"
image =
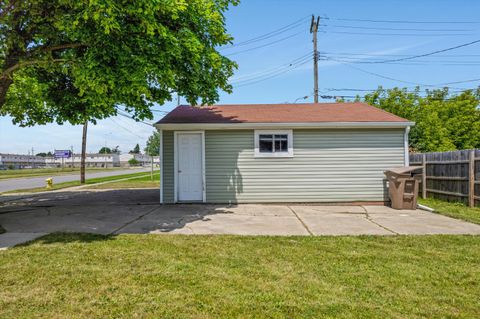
x,y
49,183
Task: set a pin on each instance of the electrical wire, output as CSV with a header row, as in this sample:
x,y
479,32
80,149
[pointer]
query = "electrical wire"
x,y
401,34
126,129
393,55
403,21
422,55
262,73
281,70
270,34
265,45
402,81
373,73
398,29
274,75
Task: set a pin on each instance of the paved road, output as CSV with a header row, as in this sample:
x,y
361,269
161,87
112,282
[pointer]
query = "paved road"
x,y
31,182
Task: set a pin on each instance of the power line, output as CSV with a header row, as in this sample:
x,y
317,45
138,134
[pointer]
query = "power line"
x,y
129,116
262,73
404,21
270,34
264,45
126,129
274,73
398,29
421,62
422,55
401,34
398,80
395,55
373,73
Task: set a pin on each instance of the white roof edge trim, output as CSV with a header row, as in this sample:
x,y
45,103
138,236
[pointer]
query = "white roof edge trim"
x,y
233,126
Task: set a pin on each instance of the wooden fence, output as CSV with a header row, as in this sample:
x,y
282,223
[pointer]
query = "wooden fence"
x,y
452,176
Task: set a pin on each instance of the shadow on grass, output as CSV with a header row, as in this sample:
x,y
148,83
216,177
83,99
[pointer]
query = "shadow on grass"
x,y
68,238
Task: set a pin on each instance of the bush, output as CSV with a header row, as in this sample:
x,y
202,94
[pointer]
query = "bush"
x,y
133,162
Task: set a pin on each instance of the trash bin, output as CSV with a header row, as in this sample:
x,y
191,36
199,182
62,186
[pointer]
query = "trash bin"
x,y
403,186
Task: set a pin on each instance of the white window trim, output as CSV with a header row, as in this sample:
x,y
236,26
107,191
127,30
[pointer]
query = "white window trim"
x,y
289,134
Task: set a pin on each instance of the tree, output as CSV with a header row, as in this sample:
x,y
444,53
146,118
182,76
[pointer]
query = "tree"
x,y
114,54
105,150
443,121
133,162
76,61
153,144
136,150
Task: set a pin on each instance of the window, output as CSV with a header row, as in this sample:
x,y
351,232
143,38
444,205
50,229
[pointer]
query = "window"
x,y
273,143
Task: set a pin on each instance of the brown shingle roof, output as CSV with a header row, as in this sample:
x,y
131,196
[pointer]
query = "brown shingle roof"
x,y
280,113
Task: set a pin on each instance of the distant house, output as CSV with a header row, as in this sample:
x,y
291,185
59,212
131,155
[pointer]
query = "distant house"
x,y
332,152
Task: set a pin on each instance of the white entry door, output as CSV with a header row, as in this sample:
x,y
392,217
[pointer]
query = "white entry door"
x,y
189,167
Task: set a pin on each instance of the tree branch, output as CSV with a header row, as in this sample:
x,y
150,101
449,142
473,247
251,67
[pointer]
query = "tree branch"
x,y
7,72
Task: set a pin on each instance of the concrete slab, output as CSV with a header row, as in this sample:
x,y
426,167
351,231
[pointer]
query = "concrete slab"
x,y
138,211
315,209
8,240
328,222
257,210
236,224
423,223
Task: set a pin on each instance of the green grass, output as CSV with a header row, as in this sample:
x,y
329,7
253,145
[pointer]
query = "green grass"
x,y
141,182
456,210
36,172
75,183
174,276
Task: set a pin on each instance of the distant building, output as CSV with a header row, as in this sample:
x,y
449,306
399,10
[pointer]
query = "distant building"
x,y
91,160
17,161
143,159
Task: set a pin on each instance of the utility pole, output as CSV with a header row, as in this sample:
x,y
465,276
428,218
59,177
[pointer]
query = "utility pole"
x,y
84,153
178,99
71,154
314,29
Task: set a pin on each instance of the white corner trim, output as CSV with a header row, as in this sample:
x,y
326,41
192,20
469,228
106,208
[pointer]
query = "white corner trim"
x,y
405,145
175,168
266,126
289,134
161,166
175,164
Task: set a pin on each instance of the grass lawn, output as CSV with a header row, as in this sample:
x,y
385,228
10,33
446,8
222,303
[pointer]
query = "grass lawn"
x,y
141,182
76,183
456,210
35,172
174,276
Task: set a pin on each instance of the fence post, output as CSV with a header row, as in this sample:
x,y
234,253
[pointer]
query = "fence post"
x,y
471,178
424,176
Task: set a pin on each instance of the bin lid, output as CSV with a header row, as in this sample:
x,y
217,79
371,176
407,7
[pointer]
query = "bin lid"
x,y
404,169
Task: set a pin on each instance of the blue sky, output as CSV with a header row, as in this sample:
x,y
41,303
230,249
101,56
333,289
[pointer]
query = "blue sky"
x,y
265,74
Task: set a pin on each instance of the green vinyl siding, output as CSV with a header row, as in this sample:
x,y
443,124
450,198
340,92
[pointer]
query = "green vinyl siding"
x,y
327,166
168,173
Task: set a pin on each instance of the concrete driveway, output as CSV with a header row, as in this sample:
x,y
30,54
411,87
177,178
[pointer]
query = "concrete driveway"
x,y
138,211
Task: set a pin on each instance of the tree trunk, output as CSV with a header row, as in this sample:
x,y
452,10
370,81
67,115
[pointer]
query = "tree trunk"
x,y
84,153
4,85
